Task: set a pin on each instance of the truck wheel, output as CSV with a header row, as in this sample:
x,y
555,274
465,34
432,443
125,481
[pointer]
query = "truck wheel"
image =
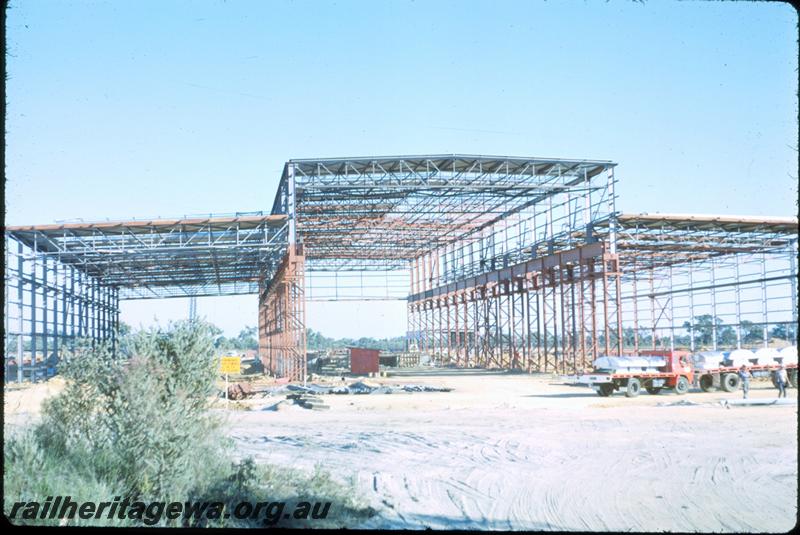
x,y
707,383
633,388
793,378
730,382
653,389
682,386
606,390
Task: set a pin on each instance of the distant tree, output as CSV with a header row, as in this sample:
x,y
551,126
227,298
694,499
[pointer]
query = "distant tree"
x,y
628,336
247,339
781,332
703,328
214,330
645,338
124,329
681,341
726,335
316,341
751,332
124,335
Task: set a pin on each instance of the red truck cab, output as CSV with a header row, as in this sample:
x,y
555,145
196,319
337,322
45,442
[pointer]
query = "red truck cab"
x,y
678,363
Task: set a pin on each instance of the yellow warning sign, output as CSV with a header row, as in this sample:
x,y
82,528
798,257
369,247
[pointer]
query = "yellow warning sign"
x,y
230,365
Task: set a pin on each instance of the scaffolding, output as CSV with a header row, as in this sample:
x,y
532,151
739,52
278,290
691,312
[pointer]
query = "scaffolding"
x,y
503,262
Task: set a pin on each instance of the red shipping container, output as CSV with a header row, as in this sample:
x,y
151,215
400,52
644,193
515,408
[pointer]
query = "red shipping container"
x,y
363,361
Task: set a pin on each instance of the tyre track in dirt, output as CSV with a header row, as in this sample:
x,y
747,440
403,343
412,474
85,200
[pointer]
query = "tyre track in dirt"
x,y
619,468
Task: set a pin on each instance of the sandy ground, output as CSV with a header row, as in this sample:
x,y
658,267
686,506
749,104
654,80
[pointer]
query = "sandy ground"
x,y
22,403
521,452
506,451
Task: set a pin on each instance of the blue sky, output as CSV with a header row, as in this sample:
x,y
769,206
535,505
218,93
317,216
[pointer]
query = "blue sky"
x,y
137,109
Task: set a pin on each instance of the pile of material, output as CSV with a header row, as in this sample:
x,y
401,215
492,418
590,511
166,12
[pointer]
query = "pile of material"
x,y
308,401
308,395
766,355
708,360
681,403
240,391
252,366
363,387
728,403
630,364
788,355
762,357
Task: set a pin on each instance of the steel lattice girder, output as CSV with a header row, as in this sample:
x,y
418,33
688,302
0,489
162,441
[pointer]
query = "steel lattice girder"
x,y
652,241
397,208
166,258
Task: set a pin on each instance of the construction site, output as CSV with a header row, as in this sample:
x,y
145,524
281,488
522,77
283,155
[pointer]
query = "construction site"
x,y
519,275
504,262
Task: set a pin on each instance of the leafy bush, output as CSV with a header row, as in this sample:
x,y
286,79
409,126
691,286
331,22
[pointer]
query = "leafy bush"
x,y
140,427
147,415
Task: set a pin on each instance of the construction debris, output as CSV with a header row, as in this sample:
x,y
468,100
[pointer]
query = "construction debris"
x,y
240,391
308,401
728,403
424,388
681,403
364,387
310,393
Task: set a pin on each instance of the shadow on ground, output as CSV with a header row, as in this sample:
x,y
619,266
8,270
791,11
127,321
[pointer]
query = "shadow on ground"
x,y
558,396
440,372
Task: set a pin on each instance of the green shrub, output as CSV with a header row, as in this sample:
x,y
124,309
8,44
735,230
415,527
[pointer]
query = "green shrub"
x,y
139,427
146,416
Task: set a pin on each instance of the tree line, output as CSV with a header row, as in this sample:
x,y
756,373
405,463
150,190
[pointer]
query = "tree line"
x,y
317,341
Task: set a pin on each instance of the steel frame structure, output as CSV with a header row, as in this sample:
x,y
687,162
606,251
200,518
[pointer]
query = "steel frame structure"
x,y
739,272
282,320
48,306
446,217
65,281
551,313
504,262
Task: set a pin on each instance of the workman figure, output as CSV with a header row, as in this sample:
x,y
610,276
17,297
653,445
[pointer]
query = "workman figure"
x,y
744,376
781,380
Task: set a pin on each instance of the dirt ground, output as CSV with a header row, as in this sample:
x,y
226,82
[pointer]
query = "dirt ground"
x,y
507,451
22,403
